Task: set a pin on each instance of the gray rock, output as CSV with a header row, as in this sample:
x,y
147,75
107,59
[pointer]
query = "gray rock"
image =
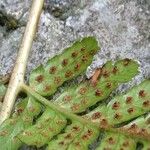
x,y
121,27
16,8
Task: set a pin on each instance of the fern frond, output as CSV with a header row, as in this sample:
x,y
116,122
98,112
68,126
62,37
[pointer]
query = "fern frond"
x,y
46,123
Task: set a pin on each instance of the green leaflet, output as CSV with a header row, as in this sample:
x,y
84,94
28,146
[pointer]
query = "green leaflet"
x,y
119,110
72,62
124,107
48,125
21,119
115,141
78,98
75,137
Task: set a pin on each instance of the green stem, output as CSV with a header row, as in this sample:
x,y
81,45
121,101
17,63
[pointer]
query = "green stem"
x,y
72,116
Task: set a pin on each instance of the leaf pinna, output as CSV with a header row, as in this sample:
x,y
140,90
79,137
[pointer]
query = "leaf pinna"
x,y
80,97
71,63
124,107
